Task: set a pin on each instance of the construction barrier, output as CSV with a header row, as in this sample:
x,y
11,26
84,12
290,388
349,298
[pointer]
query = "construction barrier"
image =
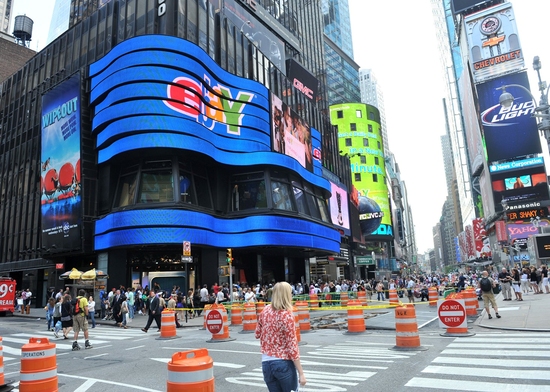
x,y
433,296
223,334
4,386
393,297
356,318
260,305
457,332
303,316
249,319
362,298
314,301
204,312
191,371
297,323
38,366
168,324
344,298
470,302
406,329
237,314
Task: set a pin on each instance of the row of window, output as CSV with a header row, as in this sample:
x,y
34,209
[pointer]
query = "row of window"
x,y
162,181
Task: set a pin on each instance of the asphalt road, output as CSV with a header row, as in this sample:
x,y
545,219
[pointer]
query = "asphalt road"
x,y
130,360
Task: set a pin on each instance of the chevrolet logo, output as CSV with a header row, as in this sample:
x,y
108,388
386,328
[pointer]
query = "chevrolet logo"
x,y
493,41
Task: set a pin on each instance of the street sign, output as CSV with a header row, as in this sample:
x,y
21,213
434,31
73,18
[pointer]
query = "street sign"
x,y
364,260
186,248
452,313
59,266
186,259
214,321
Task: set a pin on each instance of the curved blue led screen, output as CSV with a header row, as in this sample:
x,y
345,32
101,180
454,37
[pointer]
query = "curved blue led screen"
x,y
140,227
157,91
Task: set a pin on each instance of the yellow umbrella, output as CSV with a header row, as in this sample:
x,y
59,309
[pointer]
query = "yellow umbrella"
x,y
75,274
89,275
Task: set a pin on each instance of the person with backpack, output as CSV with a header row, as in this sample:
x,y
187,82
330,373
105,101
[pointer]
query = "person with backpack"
x,y
486,285
80,319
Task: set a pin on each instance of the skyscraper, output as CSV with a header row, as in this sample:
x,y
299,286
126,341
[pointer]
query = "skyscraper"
x,y
5,16
372,94
60,19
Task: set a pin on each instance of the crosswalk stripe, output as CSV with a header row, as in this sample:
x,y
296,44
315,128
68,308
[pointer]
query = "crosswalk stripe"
x,y
513,363
498,353
488,372
491,346
474,386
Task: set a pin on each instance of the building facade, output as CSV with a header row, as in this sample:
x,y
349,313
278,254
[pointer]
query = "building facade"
x,y
143,129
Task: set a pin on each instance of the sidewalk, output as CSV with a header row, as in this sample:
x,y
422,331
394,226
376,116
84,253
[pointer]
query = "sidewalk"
x,y
531,314
139,321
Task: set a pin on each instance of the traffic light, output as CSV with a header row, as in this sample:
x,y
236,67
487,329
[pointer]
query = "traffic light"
x,y
229,256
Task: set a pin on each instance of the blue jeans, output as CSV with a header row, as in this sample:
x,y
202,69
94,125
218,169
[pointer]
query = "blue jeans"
x,y
280,375
131,311
92,318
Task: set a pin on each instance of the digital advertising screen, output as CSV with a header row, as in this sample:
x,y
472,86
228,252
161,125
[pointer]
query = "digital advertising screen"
x,y
339,211
60,167
509,132
291,134
517,182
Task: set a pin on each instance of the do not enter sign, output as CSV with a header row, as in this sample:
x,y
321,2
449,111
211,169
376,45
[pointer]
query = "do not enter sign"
x,y
452,313
214,321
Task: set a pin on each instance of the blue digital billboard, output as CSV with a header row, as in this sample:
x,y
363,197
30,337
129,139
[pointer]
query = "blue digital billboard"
x,y
509,132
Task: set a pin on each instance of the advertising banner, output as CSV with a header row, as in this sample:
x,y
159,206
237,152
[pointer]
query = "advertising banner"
x,y
509,132
481,241
517,231
291,134
494,42
267,42
302,79
459,6
339,211
60,167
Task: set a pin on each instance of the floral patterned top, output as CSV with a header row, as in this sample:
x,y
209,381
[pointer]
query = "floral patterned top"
x,y
276,330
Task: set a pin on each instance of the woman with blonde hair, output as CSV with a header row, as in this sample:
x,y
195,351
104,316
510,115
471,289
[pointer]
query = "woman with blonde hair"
x,y
276,330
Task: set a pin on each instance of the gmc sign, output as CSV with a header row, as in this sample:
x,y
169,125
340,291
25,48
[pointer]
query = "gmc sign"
x,y
302,80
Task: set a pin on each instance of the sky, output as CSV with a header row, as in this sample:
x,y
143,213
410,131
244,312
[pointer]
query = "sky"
x,y
397,40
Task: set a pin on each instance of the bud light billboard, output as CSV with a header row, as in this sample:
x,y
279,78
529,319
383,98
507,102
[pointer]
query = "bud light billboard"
x,y
508,132
60,167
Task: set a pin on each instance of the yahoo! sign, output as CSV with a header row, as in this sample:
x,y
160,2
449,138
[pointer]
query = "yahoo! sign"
x,y
208,104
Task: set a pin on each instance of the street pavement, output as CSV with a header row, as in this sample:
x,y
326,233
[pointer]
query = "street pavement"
x,y
531,314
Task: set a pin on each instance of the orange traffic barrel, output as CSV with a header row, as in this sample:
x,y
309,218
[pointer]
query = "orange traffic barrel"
x,y
168,324
303,316
344,298
191,371
217,324
393,297
204,312
458,331
406,329
362,297
356,318
314,300
38,366
249,318
470,302
297,323
259,307
237,314
4,386
433,296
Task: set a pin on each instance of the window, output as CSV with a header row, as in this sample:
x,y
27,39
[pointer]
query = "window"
x,y
280,194
365,142
300,198
323,209
340,114
370,128
371,115
379,145
353,127
156,186
358,113
376,161
126,190
357,176
249,191
374,177
363,159
348,142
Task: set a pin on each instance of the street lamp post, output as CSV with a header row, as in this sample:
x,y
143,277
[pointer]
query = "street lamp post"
x,y
542,112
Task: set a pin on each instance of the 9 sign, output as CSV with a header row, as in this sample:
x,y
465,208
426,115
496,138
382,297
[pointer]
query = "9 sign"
x,y
6,288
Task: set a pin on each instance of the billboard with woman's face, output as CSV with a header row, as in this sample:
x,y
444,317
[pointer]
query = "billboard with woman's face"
x,y
291,134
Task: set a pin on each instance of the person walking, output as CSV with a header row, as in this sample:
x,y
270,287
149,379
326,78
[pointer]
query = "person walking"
x,y
57,316
505,280
66,316
276,330
80,320
49,313
91,310
153,305
131,299
486,285
515,284
544,275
